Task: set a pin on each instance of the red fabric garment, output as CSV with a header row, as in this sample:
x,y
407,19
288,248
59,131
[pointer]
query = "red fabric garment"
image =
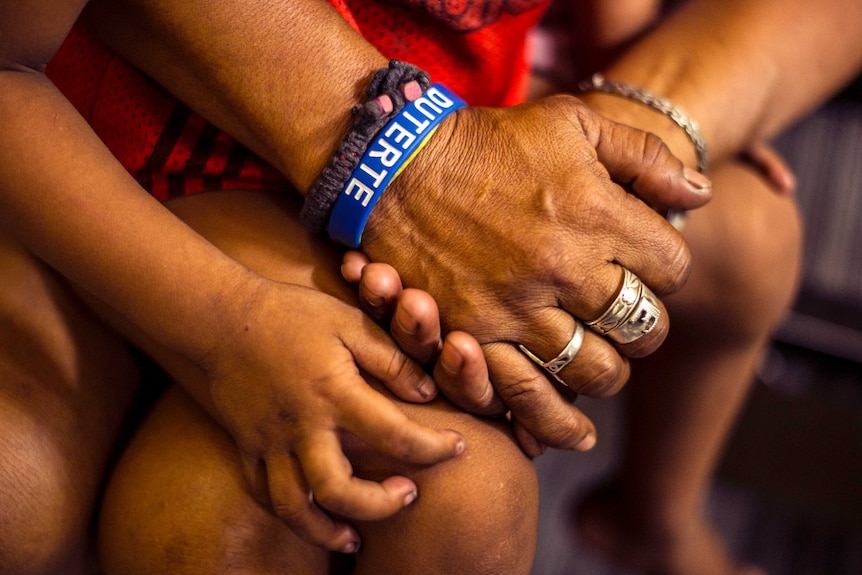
x,y
477,48
170,150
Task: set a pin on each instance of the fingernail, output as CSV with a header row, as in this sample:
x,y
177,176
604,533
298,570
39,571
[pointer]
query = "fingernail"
x,y
351,547
374,300
410,497
411,90
404,329
460,446
587,443
698,182
788,183
428,390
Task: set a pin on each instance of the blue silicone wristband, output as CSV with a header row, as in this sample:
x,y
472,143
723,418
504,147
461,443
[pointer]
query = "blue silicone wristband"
x,y
388,154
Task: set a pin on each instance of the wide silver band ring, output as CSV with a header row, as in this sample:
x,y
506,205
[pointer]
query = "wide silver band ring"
x,y
565,357
634,312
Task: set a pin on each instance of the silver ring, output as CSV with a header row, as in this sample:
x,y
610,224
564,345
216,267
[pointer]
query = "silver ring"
x,y
633,313
565,357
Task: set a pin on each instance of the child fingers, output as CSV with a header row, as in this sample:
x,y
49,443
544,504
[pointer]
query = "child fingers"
x,y
377,421
375,352
330,478
293,502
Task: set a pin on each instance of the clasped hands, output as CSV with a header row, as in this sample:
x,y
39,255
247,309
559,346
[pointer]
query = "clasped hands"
x,y
517,222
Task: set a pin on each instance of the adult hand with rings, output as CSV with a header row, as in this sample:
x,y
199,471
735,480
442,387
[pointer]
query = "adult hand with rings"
x,y
529,233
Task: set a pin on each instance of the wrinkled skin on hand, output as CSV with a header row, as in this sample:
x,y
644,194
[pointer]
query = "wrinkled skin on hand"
x,y
287,385
517,220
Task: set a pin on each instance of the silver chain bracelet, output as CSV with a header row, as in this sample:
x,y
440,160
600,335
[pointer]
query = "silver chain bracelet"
x,y
598,83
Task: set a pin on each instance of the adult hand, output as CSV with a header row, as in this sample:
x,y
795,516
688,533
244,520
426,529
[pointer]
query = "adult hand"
x,y
288,383
519,220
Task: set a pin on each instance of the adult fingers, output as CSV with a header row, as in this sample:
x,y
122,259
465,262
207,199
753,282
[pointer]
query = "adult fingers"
x,y
379,288
624,303
352,264
643,162
462,375
596,370
330,477
415,323
293,502
535,403
531,446
773,167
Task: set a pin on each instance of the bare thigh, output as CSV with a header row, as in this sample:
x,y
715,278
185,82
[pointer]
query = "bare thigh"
x,y
66,382
178,502
746,250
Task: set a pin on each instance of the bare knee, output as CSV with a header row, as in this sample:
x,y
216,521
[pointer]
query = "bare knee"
x,y
43,515
476,514
746,248
177,504
61,404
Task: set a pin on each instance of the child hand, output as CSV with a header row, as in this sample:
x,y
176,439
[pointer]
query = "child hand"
x,y
288,383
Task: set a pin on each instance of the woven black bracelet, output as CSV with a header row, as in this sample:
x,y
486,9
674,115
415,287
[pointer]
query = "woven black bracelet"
x,y
367,121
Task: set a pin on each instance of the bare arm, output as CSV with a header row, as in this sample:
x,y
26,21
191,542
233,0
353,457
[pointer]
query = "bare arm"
x,y
71,203
743,69
96,225
282,77
279,76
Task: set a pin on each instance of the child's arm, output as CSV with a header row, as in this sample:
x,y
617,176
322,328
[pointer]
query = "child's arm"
x,y
282,78
71,203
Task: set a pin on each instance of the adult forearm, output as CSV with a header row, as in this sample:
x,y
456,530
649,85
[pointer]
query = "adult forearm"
x,y
70,202
746,69
279,76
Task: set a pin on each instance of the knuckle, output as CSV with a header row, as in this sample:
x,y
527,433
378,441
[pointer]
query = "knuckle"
x,y
653,149
679,267
400,367
605,376
399,445
674,264
331,494
296,516
521,394
566,432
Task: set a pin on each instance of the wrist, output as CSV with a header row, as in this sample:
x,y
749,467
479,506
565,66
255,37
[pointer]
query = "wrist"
x,y
397,144
642,98
392,222
227,317
635,114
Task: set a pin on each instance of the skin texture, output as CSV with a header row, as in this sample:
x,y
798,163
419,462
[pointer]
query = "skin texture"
x,y
209,308
578,275
491,484
204,298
